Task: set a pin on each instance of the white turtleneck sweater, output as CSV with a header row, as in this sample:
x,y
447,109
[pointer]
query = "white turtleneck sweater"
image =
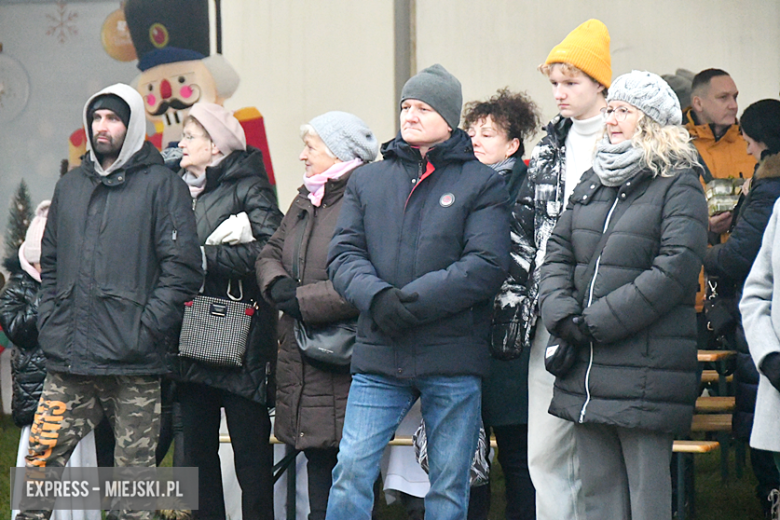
x,y
580,147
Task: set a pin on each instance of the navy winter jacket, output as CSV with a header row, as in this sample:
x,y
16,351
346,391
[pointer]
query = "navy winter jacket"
x,y
444,236
731,263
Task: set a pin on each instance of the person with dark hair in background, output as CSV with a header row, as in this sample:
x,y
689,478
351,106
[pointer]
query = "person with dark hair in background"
x,y
731,262
499,129
119,258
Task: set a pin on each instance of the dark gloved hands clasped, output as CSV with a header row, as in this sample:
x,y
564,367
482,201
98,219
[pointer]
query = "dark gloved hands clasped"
x,y
574,330
389,311
559,356
283,293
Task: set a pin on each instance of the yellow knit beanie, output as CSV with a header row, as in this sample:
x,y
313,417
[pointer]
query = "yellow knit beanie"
x,y
587,48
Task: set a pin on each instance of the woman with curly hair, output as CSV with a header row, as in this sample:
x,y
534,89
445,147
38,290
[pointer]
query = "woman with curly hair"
x,y
499,128
617,294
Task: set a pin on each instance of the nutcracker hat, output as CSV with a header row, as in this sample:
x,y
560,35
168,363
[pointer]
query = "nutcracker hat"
x,y
168,31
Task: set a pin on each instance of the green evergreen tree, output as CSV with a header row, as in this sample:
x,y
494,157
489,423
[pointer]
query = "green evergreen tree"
x,y
19,220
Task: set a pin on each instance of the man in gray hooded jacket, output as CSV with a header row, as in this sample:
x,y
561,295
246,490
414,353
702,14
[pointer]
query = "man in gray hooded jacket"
x,y
119,258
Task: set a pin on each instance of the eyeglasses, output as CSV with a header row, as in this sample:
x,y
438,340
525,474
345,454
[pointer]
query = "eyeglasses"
x,y
620,113
190,137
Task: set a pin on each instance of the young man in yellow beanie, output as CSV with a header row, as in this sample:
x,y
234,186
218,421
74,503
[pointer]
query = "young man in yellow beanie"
x,y
580,71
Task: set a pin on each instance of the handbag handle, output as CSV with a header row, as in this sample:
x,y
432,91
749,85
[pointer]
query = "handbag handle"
x,y
240,291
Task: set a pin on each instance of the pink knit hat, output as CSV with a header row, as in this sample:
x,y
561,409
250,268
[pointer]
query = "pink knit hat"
x,y
32,240
224,129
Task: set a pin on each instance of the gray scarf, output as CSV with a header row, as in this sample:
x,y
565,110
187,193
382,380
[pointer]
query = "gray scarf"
x,y
505,166
617,163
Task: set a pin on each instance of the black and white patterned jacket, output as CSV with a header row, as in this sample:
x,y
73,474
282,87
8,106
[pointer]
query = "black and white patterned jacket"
x,y
539,204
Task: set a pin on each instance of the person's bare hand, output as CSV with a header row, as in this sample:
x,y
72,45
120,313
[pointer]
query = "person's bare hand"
x,y
746,186
721,222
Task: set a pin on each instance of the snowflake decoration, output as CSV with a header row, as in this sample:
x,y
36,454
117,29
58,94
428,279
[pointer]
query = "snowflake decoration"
x,y
64,22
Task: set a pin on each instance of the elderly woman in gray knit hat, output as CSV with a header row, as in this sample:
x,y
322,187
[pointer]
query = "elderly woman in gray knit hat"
x,y
311,396
617,294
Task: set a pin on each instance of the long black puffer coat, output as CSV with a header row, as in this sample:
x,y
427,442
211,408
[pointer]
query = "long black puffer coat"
x,y
731,263
18,314
637,299
237,184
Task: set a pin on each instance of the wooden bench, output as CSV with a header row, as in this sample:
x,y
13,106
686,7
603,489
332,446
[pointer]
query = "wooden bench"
x,y
719,358
715,404
681,450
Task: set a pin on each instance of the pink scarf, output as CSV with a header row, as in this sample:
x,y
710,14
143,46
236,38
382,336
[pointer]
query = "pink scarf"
x,y
316,183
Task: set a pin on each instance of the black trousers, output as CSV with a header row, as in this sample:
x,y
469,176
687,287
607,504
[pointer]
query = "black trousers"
x,y
249,427
512,443
319,469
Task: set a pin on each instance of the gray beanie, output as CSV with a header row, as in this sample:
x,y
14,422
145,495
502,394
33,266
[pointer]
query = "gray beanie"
x,y
438,88
650,94
346,135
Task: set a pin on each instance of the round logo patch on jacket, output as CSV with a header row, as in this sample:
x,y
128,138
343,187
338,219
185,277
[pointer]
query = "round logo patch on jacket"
x,y
446,200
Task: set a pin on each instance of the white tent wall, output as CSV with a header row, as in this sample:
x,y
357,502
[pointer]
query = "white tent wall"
x,y
298,58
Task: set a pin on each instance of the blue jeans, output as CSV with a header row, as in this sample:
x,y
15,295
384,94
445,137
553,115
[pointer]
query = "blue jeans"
x,y
451,409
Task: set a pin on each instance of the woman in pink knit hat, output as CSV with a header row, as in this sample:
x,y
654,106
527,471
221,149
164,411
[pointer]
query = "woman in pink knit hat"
x,y
236,214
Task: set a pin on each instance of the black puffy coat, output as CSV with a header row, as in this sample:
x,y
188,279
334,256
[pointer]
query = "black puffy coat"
x,y
730,262
237,184
444,236
505,391
637,299
18,314
119,257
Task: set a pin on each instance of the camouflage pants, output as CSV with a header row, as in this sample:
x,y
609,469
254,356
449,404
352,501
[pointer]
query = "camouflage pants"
x,y
71,406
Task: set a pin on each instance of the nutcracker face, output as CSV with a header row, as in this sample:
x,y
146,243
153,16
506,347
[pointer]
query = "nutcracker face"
x,y
170,90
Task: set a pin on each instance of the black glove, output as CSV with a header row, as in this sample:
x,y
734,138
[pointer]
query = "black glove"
x,y
559,356
389,312
573,330
291,307
283,293
282,289
771,368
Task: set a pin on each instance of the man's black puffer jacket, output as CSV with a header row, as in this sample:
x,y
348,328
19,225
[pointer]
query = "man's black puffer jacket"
x,y
18,314
237,184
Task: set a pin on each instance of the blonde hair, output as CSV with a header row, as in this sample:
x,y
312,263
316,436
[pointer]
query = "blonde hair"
x,y
665,147
569,70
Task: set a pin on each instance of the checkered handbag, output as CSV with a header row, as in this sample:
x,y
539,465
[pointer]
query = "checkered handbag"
x,y
215,331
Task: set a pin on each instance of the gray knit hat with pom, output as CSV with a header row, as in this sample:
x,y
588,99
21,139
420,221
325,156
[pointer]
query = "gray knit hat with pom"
x,y
649,93
346,135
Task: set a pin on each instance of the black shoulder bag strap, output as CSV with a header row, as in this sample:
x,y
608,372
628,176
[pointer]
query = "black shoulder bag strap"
x,y
704,171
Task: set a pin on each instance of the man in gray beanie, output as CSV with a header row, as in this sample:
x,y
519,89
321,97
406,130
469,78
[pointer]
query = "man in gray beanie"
x,y
420,248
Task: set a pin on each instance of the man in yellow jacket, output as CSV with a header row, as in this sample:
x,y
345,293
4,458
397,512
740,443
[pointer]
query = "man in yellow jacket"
x,y
712,122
